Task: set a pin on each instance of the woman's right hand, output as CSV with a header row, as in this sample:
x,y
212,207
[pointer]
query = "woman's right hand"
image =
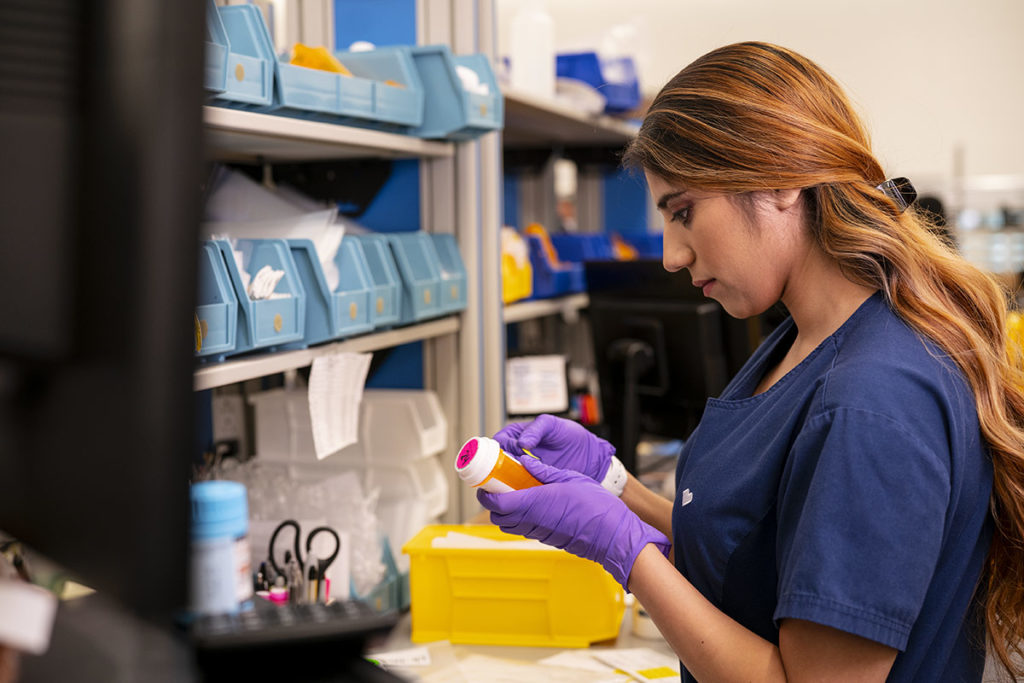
x,y
559,442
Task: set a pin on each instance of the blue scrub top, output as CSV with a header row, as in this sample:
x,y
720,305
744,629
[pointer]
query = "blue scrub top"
x,y
853,493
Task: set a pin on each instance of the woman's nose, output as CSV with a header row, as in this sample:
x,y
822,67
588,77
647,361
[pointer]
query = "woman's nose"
x,y
675,256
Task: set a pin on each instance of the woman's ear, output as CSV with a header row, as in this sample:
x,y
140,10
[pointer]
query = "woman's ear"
x,y
784,200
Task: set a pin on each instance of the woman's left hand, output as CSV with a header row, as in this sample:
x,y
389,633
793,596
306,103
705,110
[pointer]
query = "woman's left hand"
x,y
573,512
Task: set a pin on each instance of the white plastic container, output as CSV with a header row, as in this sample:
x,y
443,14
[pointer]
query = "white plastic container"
x,y
532,50
481,463
221,578
399,425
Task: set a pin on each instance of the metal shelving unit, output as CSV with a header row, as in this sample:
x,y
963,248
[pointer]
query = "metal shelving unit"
x,y
568,307
531,121
243,369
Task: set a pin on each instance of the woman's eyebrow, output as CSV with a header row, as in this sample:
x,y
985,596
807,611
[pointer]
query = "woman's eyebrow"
x,y
667,197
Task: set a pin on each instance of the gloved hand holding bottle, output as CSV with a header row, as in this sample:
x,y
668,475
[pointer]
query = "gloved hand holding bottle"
x,y
567,445
573,512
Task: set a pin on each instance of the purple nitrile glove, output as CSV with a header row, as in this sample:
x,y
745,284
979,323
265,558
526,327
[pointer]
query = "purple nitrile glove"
x,y
563,443
573,512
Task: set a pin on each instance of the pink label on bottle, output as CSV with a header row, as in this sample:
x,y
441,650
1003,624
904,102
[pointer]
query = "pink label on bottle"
x,y
467,453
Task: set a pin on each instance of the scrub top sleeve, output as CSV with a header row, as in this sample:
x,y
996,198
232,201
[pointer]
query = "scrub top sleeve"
x,y
862,507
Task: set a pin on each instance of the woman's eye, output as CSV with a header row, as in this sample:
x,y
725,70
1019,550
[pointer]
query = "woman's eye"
x,y
681,216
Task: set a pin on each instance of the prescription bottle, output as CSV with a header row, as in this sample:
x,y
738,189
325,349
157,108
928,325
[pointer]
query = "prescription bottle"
x,y
221,578
483,464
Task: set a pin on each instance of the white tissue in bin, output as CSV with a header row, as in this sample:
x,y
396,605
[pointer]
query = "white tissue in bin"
x,y
471,80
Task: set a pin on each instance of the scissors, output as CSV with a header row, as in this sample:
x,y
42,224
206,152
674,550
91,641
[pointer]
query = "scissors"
x,y
322,564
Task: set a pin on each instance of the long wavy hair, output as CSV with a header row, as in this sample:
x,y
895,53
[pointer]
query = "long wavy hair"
x,y
754,116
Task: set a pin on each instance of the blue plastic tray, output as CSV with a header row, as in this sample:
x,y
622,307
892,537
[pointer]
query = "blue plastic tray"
x,y
647,244
333,314
386,283
215,53
216,306
269,323
397,107
250,61
418,265
453,273
450,111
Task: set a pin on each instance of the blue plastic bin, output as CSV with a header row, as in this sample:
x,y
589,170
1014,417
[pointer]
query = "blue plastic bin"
x,y
216,306
647,244
385,282
250,61
450,111
394,107
453,273
578,248
333,314
215,51
615,78
552,279
269,323
418,265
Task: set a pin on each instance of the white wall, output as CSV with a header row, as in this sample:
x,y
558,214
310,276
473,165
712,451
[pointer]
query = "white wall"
x,y
927,75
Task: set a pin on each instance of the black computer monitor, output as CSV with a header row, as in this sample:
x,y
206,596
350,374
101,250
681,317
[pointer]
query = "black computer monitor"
x,y
101,174
661,349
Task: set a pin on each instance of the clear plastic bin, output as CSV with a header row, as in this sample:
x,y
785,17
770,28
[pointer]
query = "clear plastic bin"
x,y
216,308
543,597
386,283
346,310
420,269
421,479
453,273
401,425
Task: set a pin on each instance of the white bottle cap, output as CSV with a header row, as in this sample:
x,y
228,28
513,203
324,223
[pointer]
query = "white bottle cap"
x,y
476,459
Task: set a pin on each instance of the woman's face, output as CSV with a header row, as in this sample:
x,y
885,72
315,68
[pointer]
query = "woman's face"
x,y
743,259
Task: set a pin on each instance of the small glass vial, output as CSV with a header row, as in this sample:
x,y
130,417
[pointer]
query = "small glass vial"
x,y
481,463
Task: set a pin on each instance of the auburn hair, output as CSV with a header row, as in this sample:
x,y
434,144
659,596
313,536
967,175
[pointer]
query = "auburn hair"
x,y
754,116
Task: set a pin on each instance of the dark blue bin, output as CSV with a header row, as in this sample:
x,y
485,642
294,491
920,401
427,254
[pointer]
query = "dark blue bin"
x,y
550,279
267,324
216,306
418,265
647,244
385,282
615,78
578,248
450,111
215,51
340,313
453,273
250,60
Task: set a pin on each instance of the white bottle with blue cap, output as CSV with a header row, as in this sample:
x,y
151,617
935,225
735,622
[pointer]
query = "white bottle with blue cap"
x,y
221,579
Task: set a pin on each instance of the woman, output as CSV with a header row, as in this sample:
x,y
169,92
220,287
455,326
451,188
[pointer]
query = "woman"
x,y
851,507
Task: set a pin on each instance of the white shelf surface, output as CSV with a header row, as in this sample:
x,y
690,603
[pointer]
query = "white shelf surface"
x,y
234,135
243,369
566,306
534,121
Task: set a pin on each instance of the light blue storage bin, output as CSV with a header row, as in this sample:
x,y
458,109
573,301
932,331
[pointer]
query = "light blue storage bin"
x,y
394,107
339,313
215,51
453,273
450,111
250,59
216,306
385,282
267,324
308,93
418,265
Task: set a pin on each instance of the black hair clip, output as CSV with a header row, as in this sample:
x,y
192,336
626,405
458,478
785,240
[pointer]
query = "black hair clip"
x,y
900,190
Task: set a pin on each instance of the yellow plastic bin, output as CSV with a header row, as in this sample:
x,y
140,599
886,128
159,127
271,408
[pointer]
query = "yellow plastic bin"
x,y
525,597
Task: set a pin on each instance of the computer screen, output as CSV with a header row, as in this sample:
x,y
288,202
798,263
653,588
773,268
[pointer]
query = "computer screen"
x,y
661,349
100,189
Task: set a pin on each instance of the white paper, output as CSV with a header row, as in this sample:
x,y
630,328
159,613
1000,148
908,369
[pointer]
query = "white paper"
x,y
536,384
415,656
454,539
335,391
485,669
641,663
